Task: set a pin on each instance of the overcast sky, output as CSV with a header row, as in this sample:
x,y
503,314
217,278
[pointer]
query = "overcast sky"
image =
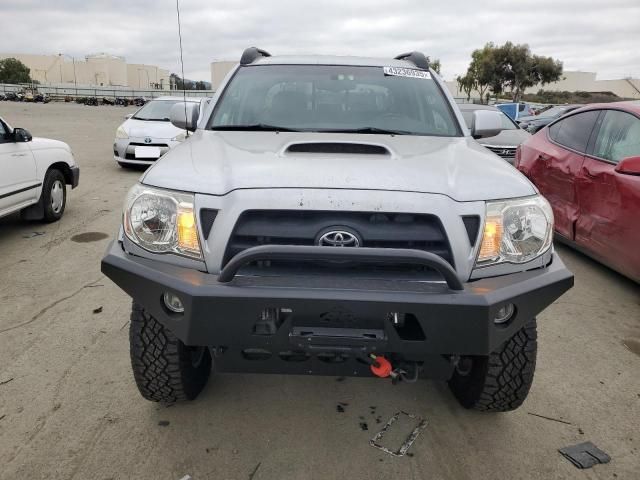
x,y
588,35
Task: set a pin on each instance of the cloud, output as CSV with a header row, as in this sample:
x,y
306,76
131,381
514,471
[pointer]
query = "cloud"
x,y
588,35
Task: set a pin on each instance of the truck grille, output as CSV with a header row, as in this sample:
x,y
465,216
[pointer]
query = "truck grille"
x,y
375,229
508,153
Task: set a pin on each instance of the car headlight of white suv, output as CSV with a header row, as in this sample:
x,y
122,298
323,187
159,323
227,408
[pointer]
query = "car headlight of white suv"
x,y
162,221
516,231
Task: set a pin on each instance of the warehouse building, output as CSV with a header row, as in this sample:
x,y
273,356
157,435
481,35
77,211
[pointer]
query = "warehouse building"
x,y
99,69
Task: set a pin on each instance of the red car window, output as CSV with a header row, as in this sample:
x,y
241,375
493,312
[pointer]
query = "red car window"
x,y
619,137
573,132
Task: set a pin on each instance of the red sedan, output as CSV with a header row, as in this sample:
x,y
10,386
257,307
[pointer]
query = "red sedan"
x,y
587,164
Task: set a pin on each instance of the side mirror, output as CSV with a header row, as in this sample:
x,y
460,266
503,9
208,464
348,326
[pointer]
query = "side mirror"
x,y
21,135
185,122
629,166
128,116
486,123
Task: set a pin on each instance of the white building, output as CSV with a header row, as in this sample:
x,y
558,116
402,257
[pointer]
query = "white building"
x,y
219,70
99,69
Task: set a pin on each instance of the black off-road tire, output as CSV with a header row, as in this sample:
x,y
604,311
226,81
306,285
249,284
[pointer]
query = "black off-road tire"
x,y
500,381
53,178
165,369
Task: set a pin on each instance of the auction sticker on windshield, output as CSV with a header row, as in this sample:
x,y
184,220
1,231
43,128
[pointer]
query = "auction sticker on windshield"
x,y
407,72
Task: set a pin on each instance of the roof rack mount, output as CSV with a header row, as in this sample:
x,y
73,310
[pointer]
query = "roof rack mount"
x,y
417,58
251,54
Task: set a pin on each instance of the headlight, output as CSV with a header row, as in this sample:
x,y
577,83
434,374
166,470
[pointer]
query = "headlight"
x,y
516,231
179,138
162,221
121,133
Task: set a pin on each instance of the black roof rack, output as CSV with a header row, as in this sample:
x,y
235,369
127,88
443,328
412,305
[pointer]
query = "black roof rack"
x,y
251,54
417,58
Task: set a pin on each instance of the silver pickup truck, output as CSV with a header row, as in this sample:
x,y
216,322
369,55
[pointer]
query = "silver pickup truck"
x,y
335,216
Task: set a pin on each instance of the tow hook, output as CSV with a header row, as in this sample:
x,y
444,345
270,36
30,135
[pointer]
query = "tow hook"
x,y
381,367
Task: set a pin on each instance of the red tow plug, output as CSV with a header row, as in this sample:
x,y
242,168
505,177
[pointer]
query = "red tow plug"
x,y
381,367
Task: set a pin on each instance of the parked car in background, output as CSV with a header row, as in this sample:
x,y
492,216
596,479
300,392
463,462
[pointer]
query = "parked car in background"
x,y
503,144
533,123
517,110
148,134
35,172
587,164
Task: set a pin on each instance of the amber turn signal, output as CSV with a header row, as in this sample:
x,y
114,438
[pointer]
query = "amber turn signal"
x,y
187,230
491,238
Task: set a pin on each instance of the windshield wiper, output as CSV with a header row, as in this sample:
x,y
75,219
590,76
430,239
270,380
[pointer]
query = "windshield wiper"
x,y
372,130
255,127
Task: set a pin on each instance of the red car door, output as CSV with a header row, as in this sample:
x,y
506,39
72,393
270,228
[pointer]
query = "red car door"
x,y
608,224
552,160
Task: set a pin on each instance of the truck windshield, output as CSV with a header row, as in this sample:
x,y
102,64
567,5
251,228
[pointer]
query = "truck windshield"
x,y
328,98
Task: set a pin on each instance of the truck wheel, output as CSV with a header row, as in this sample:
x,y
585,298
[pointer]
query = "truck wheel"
x,y
54,195
165,369
500,381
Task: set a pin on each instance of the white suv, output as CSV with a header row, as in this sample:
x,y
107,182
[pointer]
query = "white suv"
x,y
35,172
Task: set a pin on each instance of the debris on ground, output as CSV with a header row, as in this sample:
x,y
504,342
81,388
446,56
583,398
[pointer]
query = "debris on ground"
x,y
6,381
550,418
33,234
98,310
254,471
187,477
2,416
419,423
164,423
584,455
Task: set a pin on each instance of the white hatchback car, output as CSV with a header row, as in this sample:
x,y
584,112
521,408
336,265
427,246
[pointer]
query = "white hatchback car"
x,y
35,173
148,134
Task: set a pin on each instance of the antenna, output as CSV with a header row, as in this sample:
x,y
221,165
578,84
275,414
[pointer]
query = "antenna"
x,y
184,92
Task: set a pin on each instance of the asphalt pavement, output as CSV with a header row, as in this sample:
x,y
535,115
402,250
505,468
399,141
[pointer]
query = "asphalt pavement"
x,y
69,407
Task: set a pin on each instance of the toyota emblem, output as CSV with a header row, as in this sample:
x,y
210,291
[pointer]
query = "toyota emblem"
x,y
338,238
147,140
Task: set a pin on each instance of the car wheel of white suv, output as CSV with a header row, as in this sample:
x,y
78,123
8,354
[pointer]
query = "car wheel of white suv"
x,y
54,195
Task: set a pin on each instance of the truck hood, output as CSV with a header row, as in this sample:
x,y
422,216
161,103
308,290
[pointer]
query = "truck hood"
x,y
218,162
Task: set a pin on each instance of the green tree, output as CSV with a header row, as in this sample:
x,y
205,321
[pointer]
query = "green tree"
x,y
14,71
482,69
510,68
517,69
179,83
466,84
435,64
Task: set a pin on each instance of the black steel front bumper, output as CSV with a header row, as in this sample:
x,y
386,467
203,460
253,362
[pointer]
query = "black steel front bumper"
x,y
331,324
